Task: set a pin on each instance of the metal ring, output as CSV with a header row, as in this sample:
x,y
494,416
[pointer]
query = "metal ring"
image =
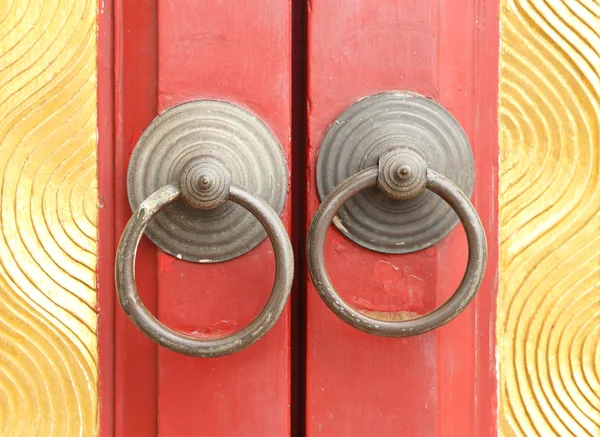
x,y
434,319
166,337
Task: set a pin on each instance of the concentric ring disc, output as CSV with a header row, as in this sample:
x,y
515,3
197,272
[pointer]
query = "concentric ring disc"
x,y
364,132
251,154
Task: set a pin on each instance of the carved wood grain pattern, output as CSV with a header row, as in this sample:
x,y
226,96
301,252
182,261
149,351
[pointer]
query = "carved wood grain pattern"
x,y
48,214
549,300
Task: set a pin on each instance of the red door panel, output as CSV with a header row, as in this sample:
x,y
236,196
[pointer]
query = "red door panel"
x,y
135,95
167,53
442,382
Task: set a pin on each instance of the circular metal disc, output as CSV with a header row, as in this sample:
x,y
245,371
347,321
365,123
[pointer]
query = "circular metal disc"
x,y
251,154
363,133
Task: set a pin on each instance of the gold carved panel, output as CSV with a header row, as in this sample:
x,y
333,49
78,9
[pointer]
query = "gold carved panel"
x,y
48,215
548,327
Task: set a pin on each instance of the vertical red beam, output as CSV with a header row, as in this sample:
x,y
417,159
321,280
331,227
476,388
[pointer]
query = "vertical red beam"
x,y
237,52
485,199
441,383
106,215
468,89
135,90
456,341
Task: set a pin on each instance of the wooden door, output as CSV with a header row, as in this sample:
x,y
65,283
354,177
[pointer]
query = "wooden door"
x,y
442,382
81,79
167,53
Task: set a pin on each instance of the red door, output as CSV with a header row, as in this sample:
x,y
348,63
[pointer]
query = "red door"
x,y
167,53
441,383
296,66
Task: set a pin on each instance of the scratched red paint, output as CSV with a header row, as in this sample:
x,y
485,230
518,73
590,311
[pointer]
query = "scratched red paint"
x,y
365,305
398,280
219,329
165,263
135,136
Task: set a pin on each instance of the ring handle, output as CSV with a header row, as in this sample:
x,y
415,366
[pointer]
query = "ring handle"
x,y
401,174
205,183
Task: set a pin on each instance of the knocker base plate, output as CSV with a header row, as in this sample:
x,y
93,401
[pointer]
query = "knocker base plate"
x,y
364,132
246,147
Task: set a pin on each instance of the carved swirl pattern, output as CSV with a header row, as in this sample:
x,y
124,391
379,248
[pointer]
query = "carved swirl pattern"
x,y
48,213
549,303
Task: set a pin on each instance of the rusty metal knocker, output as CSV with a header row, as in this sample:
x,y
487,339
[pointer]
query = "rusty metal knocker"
x,y
205,183
401,174
204,153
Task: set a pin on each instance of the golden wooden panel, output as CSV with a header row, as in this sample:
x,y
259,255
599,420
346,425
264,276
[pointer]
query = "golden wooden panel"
x,y
48,213
549,299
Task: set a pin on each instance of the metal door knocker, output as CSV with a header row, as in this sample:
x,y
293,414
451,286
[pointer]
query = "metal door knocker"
x,y
395,170
218,169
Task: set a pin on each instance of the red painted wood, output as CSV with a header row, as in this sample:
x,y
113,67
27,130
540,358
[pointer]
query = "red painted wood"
x,y
106,215
238,52
135,51
441,383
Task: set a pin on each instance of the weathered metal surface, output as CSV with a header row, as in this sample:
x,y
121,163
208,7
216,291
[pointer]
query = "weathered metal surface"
x,y
364,132
187,344
398,160
205,182
402,174
246,147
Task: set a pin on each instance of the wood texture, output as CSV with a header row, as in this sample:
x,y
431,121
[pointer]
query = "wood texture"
x,y
48,215
238,52
135,106
549,303
105,270
362,385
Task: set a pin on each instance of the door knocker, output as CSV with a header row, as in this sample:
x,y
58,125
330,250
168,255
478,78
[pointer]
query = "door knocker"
x,y
224,178
395,169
